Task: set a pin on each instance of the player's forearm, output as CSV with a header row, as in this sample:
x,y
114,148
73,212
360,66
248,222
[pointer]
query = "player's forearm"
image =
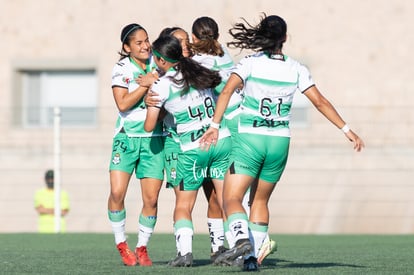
x,y
332,115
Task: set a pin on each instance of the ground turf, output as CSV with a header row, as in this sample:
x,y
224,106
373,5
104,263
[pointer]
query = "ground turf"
x,y
297,254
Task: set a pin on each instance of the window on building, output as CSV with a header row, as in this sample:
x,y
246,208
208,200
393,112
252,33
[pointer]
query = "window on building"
x,y
73,91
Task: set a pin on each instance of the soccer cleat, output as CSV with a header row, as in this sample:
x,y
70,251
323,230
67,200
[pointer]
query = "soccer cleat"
x,y
268,247
241,248
214,255
250,264
239,261
142,256
128,257
186,260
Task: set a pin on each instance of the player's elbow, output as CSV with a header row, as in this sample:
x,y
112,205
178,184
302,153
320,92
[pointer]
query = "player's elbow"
x,y
122,108
148,127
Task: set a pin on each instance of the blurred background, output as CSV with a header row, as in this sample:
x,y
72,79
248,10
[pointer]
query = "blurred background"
x,y
61,53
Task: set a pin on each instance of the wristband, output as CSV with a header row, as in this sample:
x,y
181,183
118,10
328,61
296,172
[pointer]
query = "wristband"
x,y
214,125
345,129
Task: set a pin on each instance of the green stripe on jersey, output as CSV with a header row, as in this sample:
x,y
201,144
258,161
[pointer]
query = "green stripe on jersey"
x,y
223,66
271,82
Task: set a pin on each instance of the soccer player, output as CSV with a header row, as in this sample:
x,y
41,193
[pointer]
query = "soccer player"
x,y
261,147
185,92
134,149
172,148
210,53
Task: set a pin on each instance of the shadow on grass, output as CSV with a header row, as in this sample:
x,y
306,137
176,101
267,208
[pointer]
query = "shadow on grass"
x,y
201,262
269,264
279,263
196,262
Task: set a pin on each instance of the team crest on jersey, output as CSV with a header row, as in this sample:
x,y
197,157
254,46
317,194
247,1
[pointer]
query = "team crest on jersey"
x,y
126,80
173,173
116,159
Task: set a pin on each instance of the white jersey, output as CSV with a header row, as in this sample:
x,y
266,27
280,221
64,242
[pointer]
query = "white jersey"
x,y
192,111
224,65
124,74
269,87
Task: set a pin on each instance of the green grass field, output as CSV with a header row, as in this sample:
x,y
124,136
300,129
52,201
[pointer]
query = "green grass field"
x,y
297,254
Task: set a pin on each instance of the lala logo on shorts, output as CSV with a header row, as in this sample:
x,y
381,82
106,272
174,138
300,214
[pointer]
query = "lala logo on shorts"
x,y
199,172
116,159
216,173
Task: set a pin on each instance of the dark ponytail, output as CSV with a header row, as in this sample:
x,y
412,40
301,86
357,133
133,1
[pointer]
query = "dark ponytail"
x,y
207,31
269,35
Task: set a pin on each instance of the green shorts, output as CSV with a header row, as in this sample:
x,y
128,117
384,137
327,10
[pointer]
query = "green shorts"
x,y
195,165
259,156
232,122
171,151
232,125
144,154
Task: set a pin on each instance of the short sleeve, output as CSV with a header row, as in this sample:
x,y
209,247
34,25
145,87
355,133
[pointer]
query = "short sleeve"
x,y
243,68
119,78
304,79
161,87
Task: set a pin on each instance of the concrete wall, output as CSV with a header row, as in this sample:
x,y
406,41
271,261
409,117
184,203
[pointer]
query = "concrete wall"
x,y
359,53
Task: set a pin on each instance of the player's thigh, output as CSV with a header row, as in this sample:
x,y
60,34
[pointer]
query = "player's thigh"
x,y
151,158
191,169
275,160
124,154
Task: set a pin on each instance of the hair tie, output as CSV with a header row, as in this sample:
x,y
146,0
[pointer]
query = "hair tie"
x,y
157,54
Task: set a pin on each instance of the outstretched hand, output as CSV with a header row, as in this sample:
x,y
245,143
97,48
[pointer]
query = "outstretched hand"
x,y
209,138
358,142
